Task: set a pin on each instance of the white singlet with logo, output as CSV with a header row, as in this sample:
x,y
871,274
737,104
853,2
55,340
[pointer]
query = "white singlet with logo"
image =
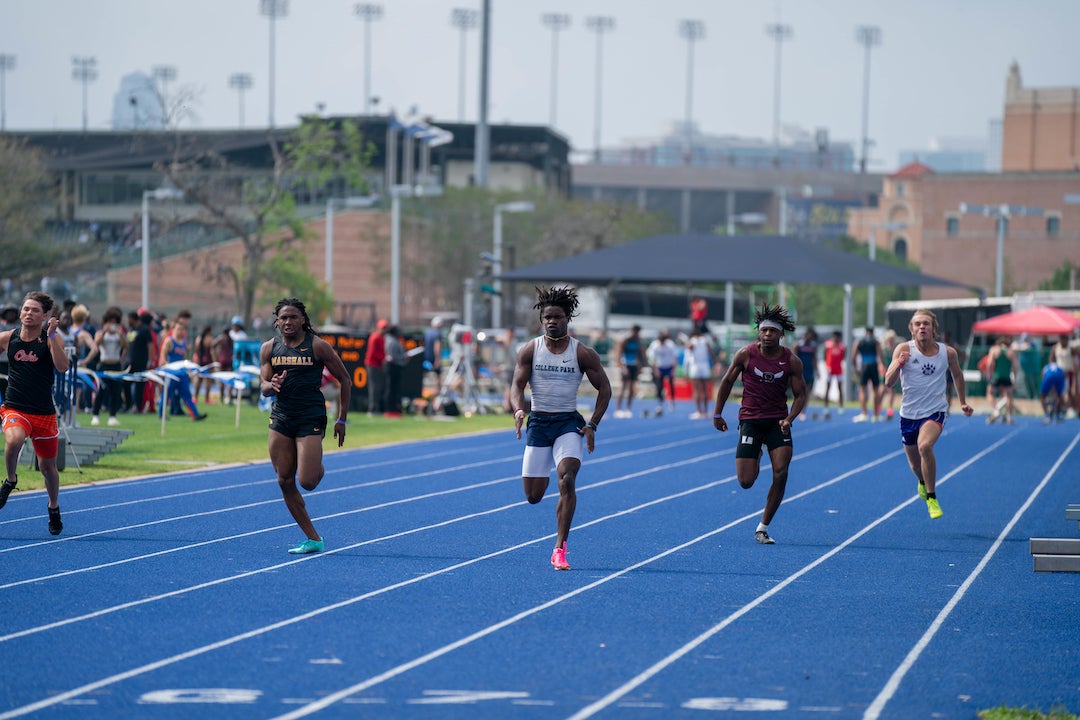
x,y
555,378
923,383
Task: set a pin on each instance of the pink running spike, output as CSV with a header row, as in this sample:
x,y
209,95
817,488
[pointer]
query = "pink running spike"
x,y
558,558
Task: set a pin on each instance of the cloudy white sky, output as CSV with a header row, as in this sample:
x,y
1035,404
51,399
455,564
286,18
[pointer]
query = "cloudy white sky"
x,y
939,71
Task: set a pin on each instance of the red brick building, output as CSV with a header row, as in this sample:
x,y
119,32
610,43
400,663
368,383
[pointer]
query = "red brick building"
x,y
1041,171
1041,127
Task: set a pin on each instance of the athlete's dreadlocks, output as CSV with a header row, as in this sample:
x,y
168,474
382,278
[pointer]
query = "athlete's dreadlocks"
x,y
563,297
776,314
294,302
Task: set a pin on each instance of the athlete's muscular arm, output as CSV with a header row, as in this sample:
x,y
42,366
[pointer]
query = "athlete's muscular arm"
x,y
798,393
269,383
522,373
323,351
56,346
738,364
899,359
589,362
958,380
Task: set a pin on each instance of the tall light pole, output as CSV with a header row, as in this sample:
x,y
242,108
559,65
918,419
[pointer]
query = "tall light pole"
x,y
396,193
464,19
599,24
368,12
163,193
352,201
779,33
164,74
84,70
496,251
1002,213
868,36
482,136
691,31
273,9
557,22
7,62
871,245
241,82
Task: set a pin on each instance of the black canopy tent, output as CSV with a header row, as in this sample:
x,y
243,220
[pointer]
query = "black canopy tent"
x,y
699,259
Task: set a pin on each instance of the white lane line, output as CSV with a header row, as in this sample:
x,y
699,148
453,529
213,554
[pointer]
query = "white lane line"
x,y
663,664
340,695
61,697
344,513
309,558
874,711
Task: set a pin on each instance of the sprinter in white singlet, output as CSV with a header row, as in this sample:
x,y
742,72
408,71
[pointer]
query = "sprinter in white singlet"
x,y
553,366
921,366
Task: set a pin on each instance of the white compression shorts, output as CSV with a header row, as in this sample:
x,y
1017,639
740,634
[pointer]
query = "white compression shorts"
x,y
539,461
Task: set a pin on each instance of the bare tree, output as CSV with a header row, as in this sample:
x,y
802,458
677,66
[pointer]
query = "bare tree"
x,y
260,210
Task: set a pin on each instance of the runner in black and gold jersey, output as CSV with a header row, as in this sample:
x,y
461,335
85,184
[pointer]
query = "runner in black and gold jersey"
x,y
291,372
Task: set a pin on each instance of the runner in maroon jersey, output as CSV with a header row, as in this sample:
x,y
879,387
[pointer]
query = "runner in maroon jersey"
x,y
768,370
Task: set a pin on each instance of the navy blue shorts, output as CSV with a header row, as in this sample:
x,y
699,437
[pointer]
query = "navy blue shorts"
x,y
909,429
545,428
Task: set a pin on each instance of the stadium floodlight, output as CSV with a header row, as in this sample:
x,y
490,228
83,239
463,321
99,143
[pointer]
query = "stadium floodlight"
x,y
84,69
7,62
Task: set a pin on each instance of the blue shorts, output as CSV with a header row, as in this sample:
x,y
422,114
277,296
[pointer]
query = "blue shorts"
x,y
909,429
550,439
1053,380
545,428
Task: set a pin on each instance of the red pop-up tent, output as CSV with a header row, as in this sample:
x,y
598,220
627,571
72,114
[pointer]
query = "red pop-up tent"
x,y
1039,320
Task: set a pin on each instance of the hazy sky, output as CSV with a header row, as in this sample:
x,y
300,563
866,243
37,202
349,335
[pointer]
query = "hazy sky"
x,y
939,71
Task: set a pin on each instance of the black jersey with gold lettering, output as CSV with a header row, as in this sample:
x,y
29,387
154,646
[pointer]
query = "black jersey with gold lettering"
x,y
300,393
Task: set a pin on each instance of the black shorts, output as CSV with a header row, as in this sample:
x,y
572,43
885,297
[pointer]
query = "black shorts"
x,y
754,433
298,427
869,374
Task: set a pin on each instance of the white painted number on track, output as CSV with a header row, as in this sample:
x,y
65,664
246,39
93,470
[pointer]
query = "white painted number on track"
x,y
463,697
217,696
730,703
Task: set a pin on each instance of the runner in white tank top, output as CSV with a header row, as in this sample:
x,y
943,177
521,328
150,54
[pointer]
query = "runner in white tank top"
x,y
921,365
553,366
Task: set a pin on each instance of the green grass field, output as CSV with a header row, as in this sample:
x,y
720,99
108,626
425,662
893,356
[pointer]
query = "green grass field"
x,y
218,441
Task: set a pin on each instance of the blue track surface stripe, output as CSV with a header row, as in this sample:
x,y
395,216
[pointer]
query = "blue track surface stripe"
x,y
877,706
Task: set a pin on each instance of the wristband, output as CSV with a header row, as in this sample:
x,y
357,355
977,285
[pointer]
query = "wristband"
x,y
52,335
717,416
339,421
519,413
591,425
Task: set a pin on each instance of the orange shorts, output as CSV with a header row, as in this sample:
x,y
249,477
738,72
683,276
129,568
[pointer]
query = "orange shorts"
x,y
42,429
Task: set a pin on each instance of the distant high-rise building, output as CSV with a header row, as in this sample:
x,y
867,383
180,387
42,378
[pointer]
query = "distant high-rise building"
x,y
993,146
797,150
948,155
137,104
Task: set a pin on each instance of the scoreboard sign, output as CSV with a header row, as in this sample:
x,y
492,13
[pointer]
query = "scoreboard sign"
x,y
351,348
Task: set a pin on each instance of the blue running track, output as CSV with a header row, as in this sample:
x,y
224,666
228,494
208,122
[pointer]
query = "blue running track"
x,y
173,597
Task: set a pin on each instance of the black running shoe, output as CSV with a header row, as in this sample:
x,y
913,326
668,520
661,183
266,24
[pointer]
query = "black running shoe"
x,y
763,537
55,525
5,489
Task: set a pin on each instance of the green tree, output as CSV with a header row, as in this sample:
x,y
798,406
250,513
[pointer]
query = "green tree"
x,y
453,231
24,189
261,211
1063,278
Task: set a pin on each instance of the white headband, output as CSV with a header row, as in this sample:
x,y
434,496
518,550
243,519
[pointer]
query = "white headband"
x,y
770,324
